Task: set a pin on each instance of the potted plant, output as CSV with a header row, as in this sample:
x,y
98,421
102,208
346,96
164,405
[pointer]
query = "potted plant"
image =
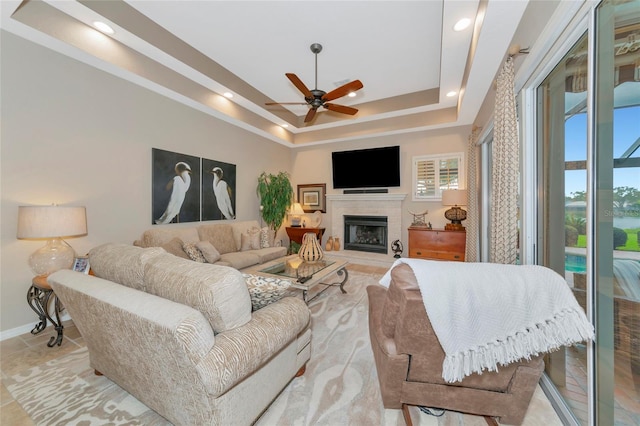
x,y
276,195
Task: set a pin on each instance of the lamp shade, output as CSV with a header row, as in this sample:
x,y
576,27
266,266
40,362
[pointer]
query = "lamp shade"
x,y
51,222
454,197
296,209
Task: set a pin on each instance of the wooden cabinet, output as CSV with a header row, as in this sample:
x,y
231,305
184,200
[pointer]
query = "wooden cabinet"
x,y
437,244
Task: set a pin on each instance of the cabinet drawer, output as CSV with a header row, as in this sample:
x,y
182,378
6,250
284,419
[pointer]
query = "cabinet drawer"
x,y
421,253
436,244
442,255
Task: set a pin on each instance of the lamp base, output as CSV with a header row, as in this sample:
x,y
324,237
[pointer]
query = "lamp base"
x,y
55,255
454,227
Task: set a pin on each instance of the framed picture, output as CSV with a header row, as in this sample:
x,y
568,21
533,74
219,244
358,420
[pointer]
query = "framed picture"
x,y
218,200
81,264
175,187
312,197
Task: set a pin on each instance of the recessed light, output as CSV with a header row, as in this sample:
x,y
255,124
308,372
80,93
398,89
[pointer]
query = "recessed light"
x,y
285,125
462,24
102,27
228,95
352,94
451,94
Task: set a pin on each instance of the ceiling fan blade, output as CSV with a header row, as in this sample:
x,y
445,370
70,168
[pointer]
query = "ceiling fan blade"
x,y
300,85
343,90
310,115
285,103
341,108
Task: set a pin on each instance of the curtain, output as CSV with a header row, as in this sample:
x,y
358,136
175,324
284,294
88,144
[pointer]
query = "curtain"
x,y
473,209
504,174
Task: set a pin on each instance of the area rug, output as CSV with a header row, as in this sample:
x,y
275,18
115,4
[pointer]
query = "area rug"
x,y
339,387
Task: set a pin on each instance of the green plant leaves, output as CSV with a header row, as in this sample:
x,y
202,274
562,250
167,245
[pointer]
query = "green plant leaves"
x,y
276,195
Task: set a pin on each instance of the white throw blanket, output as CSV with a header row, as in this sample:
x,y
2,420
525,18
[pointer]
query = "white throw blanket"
x,y
485,314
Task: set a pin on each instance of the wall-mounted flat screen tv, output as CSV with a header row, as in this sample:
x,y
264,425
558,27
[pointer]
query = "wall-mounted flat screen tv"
x,y
366,168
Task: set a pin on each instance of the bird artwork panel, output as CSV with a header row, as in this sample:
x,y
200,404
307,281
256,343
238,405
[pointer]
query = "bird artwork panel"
x,y
218,190
175,188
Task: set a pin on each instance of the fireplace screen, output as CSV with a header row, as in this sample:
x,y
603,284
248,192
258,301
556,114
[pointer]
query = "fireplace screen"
x,y
365,233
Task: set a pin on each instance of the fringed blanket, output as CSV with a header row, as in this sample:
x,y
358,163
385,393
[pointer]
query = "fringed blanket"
x,y
485,314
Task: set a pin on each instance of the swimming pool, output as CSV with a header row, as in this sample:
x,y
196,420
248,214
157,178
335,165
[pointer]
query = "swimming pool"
x,y
575,263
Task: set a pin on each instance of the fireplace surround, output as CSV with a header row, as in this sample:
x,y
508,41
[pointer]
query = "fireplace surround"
x,y
387,205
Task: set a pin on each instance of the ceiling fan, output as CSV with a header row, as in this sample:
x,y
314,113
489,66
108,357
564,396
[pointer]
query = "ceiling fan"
x,y
317,98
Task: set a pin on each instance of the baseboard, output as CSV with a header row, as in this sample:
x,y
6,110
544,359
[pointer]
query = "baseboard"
x,y
14,332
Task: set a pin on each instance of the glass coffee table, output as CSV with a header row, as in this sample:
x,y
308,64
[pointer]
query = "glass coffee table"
x,y
304,275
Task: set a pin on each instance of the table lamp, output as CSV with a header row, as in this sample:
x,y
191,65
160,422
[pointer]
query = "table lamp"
x,y
455,198
295,212
51,223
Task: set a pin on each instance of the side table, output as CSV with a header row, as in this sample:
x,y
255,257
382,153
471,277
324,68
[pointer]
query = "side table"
x,y
296,233
39,297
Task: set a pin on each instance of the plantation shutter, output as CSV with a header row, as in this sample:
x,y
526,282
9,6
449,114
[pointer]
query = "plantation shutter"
x,y
434,173
448,171
426,178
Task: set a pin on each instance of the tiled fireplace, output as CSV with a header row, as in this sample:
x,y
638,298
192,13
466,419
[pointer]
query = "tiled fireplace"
x,y
388,206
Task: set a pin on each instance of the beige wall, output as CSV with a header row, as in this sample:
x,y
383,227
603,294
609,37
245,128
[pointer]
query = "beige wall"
x,y
75,135
313,165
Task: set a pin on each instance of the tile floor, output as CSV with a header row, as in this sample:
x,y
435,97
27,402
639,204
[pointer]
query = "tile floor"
x,y
26,351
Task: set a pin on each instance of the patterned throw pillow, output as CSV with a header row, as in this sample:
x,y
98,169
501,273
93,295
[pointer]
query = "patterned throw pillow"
x,y
210,253
193,252
265,290
266,237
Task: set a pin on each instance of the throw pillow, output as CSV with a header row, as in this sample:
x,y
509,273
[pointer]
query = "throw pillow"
x,y
266,237
193,252
210,253
220,235
250,240
265,290
174,247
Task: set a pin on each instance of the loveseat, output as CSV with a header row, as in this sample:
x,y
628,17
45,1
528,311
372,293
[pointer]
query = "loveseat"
x,y
409,360
238,244
181,336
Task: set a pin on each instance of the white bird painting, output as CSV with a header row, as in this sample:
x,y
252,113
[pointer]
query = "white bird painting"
x,y
179,186
223,193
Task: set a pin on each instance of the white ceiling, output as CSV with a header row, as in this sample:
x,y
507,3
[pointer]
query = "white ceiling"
x,y
405,53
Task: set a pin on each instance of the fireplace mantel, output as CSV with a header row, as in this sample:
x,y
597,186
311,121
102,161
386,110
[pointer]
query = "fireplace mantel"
x,y
366,197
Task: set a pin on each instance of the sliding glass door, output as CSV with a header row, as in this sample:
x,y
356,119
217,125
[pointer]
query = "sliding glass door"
x,y
589,210
562,219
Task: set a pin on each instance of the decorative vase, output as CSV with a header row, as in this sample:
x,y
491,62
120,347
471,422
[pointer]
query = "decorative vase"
x,y
336,244
329,245
310,250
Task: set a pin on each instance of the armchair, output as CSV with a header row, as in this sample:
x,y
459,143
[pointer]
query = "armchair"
x,y
409,360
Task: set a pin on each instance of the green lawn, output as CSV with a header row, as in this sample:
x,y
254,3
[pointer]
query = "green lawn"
x,y
632,240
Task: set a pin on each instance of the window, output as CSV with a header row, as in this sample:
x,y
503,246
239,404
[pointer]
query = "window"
x,y
434,173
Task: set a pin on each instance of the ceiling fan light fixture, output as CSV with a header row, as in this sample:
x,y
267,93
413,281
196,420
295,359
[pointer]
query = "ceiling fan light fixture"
x,y
462,24
352,94
317,98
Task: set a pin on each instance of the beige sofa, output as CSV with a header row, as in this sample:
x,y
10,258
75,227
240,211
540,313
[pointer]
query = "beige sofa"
x,y
181,336
225,236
